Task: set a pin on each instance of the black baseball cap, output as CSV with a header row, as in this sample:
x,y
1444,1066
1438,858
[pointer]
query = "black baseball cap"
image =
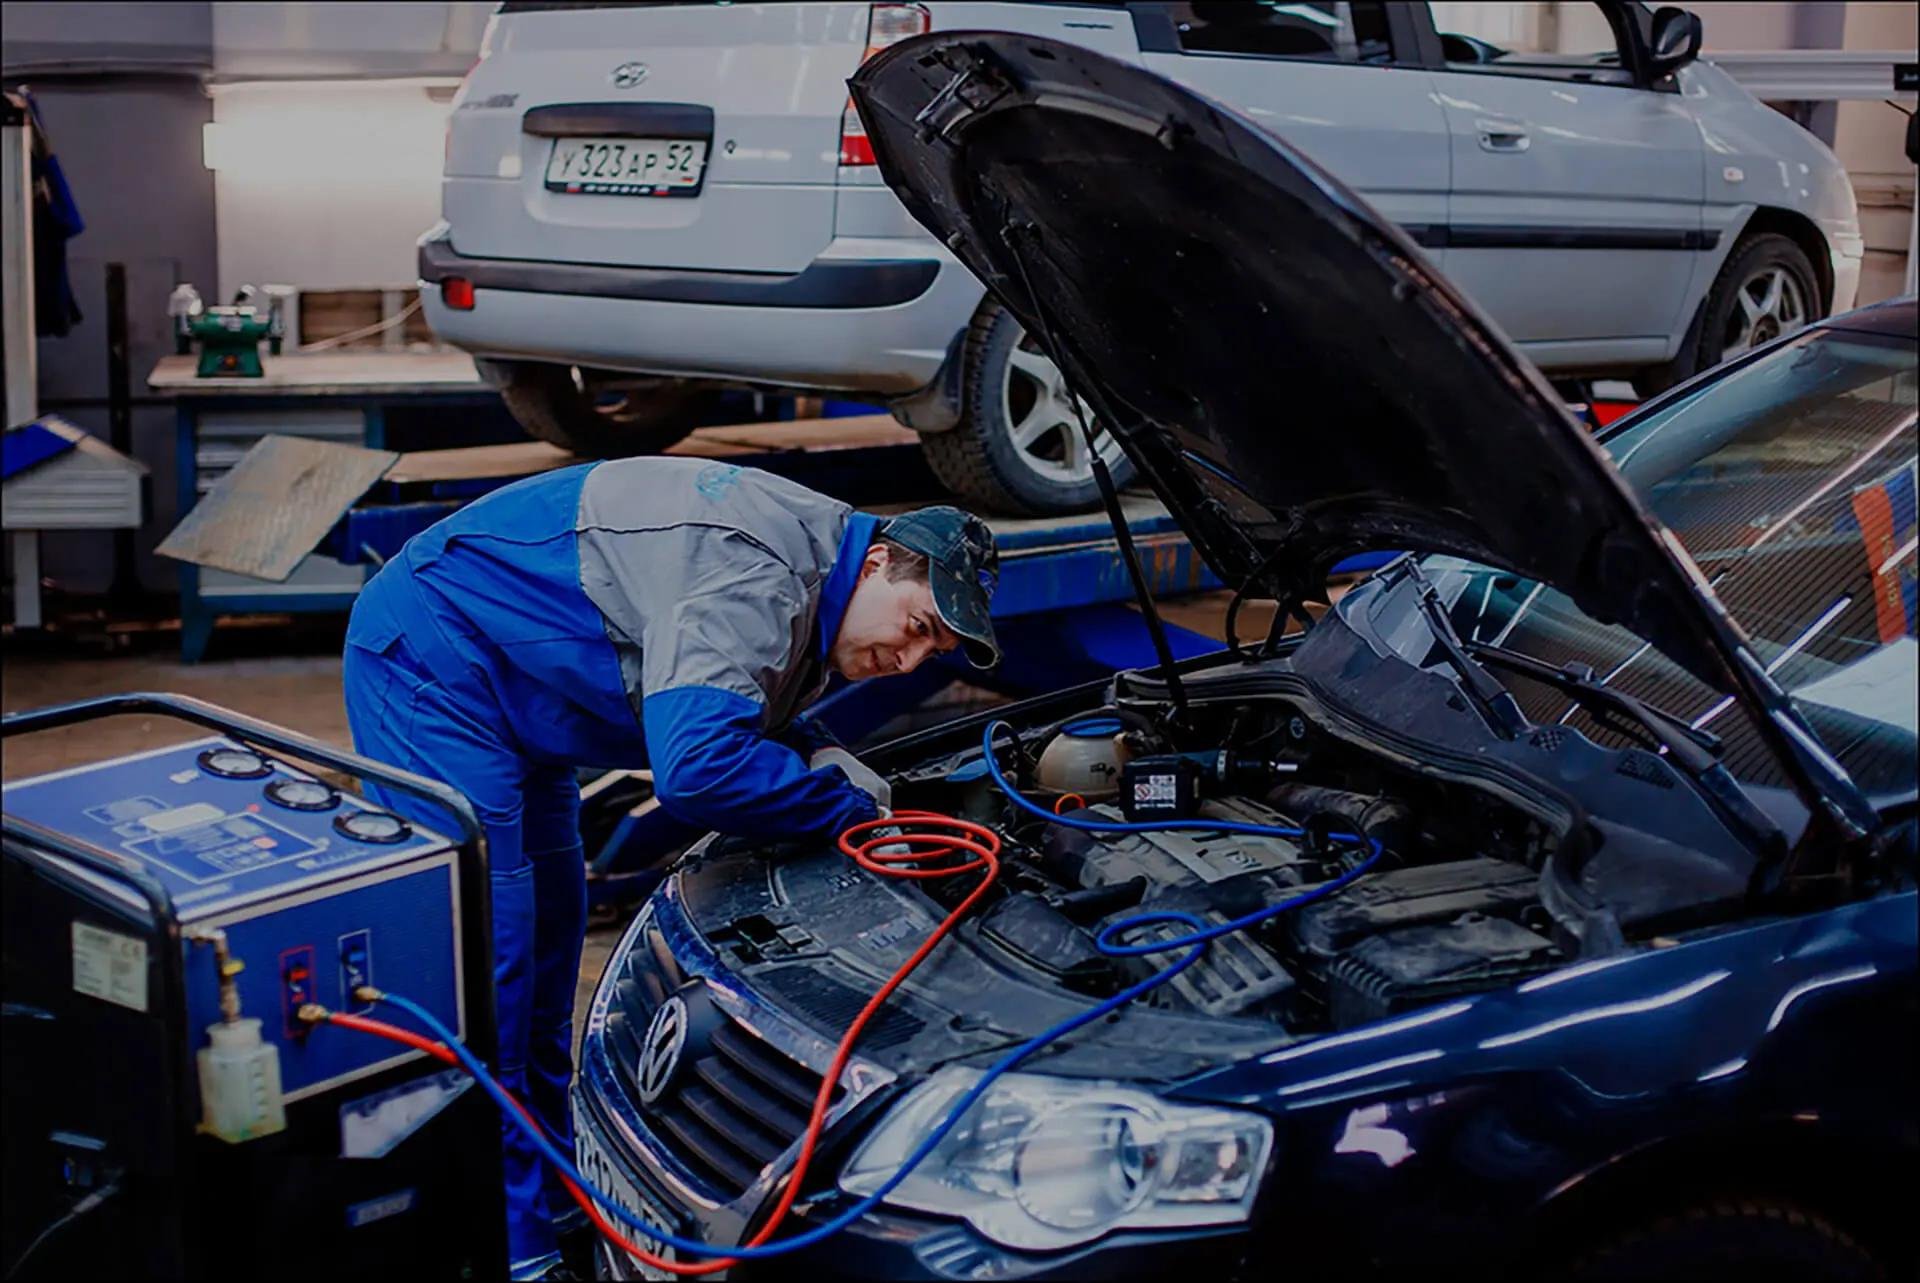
x,y
963,569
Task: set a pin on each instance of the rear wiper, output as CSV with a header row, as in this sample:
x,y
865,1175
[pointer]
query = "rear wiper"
x,y
1694,751
1496,702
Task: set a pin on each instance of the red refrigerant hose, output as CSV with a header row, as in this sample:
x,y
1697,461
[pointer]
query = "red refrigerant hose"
x,y
890,847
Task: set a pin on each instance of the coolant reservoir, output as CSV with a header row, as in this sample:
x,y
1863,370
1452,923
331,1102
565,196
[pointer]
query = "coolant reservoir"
x,y
240,1083
1085,758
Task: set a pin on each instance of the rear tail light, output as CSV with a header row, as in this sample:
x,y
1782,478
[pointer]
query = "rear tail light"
x,y
887,24
457,293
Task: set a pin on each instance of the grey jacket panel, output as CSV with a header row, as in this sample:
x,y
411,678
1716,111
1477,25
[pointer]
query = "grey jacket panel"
x,y
709,574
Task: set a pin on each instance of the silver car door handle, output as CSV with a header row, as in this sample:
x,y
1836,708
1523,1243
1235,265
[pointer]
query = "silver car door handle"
x,y
1502,135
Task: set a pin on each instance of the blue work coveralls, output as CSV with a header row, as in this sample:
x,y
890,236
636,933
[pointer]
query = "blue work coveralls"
x,y
663,613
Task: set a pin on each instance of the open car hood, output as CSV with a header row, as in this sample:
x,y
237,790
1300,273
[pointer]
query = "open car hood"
x,y
1286,369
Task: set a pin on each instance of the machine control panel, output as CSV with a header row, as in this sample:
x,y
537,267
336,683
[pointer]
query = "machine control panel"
x,y
313,887
218,823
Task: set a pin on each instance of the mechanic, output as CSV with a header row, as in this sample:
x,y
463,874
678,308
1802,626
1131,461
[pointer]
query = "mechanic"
x,y
653,612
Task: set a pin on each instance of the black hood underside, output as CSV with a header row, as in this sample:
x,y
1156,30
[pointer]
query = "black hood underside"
x,y
1284,366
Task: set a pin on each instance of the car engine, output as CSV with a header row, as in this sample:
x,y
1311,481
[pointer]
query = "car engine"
x,y
1454,906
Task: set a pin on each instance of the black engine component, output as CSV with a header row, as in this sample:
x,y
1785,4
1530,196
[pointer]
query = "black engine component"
x,y
1419,896
1041,936
1413,936
1159,788
1411,968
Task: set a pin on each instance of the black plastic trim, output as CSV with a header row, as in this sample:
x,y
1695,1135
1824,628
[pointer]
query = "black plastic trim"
x,y
619,120
824,283
1518,236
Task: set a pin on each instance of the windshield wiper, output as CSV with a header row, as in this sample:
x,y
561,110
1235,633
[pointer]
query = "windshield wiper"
x,y
1496,702
1694,751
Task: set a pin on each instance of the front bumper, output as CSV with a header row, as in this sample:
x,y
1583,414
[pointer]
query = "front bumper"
x,y
885,1244
855,319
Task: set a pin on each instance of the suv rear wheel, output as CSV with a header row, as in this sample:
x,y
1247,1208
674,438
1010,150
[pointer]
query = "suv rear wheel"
x,y
1766,288
596,414
1017,447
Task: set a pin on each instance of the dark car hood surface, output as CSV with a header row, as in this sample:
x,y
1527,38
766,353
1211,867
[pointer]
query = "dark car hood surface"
x,y
1288,371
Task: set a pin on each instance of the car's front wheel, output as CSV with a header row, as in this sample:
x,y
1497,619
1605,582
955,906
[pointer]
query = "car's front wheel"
x,y
1733,1239
1765,289
1018,446
598,415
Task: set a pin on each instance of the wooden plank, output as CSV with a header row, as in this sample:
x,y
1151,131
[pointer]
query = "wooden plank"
x,y
858,432
342,373
525,458
479,462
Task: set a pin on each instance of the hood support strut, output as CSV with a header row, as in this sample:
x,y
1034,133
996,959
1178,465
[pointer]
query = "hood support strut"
x,y
1176,691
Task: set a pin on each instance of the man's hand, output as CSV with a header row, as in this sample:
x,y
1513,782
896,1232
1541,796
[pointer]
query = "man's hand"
x,y
858,774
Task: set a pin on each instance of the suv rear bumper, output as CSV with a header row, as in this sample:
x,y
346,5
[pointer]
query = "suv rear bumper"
x,y
848,321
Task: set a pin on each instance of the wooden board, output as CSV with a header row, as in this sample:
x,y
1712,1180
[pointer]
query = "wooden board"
x,y
480,462
327,374
525,458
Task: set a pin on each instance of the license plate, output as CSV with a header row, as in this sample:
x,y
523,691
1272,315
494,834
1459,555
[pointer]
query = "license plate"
x,y
598,1167
627,166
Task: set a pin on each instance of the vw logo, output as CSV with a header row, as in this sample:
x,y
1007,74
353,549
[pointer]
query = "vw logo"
x,y
628,74
660,1049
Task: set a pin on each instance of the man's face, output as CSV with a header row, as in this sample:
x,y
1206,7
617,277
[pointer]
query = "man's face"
x,y
890,626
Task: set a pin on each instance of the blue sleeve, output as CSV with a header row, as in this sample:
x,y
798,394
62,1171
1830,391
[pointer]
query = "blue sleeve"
x,y
807,735
712,766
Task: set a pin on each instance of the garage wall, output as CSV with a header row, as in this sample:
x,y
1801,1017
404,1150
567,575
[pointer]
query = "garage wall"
x,y
326,185
1870,139
118,89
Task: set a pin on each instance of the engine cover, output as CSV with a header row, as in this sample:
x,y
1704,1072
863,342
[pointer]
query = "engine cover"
x,y
1172,859
1215,877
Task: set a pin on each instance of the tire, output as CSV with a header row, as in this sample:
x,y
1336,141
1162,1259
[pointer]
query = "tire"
x,y
594,416
1743,309
1017,448
1733,1239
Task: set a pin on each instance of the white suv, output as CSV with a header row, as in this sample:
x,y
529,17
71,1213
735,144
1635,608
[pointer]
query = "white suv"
x,y
645,200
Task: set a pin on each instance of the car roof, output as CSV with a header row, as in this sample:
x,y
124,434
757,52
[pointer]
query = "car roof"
x,y
1895,317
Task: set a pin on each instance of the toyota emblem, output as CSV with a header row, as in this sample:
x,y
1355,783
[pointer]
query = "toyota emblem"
x,y
660,1050
628,74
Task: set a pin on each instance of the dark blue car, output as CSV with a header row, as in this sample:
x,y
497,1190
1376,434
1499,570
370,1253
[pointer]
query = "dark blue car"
x,y
1630,989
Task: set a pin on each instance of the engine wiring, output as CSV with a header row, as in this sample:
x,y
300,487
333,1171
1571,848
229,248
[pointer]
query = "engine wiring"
x,y
893,846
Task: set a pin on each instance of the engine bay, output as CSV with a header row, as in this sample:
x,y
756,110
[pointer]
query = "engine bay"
x,y
1454,905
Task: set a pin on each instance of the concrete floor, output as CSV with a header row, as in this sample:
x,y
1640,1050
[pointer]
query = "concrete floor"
x,y
301,693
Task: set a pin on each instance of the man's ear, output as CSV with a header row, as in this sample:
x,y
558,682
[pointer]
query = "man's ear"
x,y
875,561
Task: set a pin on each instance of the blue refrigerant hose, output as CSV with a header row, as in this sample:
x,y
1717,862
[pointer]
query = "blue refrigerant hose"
x,y
1195,943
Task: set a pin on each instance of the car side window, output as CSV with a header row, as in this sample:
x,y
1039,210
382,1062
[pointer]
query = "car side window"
x,y
1264,28
1574,42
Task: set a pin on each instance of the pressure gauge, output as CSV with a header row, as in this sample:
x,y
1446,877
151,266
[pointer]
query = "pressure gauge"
x,y
373,826
302,795
234,763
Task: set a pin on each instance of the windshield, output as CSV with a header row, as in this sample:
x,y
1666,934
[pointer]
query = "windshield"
x,y
1791,481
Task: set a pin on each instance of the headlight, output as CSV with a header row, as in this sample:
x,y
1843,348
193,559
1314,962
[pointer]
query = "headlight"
x,y
1042,1163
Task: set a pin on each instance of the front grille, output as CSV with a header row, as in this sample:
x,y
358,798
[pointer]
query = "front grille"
x,y
733,1109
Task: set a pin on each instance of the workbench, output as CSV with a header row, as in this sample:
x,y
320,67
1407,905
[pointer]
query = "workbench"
x,y
357,398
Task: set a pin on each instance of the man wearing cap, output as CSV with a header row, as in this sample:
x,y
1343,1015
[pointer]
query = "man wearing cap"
x,y
675,614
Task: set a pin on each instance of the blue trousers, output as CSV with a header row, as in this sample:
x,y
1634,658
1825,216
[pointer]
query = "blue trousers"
x,y
447,726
